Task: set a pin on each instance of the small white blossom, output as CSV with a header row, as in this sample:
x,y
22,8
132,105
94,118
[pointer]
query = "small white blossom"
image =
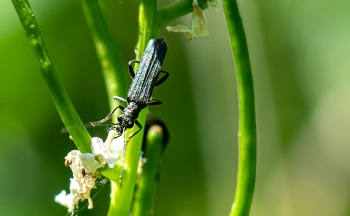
x,y
89,162
84,168
198,24
101,149
81,183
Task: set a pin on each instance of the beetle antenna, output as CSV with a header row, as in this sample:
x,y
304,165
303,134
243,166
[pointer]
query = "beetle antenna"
x,y
123,160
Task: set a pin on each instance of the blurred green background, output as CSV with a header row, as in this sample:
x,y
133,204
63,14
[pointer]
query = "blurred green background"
x,y
299,53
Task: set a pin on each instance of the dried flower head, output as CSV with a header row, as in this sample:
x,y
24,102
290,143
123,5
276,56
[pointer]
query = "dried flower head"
x,y
198,24
80,185
84,168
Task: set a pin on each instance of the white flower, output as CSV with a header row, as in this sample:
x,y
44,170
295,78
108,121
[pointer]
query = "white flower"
x,y
89,163
101,149
198,24
84,168
81,183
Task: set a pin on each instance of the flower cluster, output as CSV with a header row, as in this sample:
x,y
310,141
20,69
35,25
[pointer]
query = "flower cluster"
x,y
84,168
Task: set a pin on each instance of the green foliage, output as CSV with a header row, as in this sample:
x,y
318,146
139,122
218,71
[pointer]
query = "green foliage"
x,y
150,20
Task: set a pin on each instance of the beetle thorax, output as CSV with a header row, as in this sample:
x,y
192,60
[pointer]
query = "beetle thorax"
x,y
132,110
125,122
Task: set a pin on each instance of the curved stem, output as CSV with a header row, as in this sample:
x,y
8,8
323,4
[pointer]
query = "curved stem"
x,y
65,108
247,122
174,11
146,183
177,10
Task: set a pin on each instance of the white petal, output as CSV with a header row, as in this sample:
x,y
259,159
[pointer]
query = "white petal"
x,y
75,164
71,156
89,162
66,200
98,148
199,22
111,135
178,28
61,198
117,146
75,187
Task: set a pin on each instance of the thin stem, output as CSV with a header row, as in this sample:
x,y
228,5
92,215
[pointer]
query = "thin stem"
x,y
247,122
107,51
177,10
62,102
115,79
121,198
146,184
174,11
148,23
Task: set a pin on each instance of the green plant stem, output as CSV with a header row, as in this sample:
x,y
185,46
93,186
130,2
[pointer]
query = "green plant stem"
x,y
115,79
69,116
177,10
146,184
121,198
247,122
148,23
107,51
174,11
